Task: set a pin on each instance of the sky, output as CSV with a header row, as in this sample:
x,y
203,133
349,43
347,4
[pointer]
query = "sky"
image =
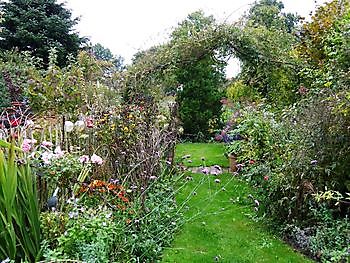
x,y
128,26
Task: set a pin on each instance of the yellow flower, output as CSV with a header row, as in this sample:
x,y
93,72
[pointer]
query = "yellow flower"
x,y
126,129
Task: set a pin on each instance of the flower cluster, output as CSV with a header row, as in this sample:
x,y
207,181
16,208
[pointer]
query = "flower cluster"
x,y
102,187
79,125
28,144
93,159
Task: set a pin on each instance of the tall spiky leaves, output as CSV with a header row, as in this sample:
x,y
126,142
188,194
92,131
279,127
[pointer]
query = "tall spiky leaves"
x,y
19,210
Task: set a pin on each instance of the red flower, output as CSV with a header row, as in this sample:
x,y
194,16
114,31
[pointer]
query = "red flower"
x,y
266,177
15,122
89,123
251,162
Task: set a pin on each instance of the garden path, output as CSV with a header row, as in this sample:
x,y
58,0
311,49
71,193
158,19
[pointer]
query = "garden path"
x,y
221,223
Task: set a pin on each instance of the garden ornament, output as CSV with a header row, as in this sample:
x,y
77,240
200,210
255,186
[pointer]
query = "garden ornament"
x,y
53,200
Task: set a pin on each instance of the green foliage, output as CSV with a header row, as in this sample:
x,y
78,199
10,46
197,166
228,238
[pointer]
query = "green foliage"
x,y
239,92
14,68
257,128
38,26
199,99
58,90
314,33
268,13
268,66
88,236
331,240
19,210
77,88
156,229
102,53
199,82
5,100
192,25
109,233
52,226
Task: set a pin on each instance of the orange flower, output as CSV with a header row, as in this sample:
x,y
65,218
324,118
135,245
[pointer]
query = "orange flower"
x,y
97,183
111,187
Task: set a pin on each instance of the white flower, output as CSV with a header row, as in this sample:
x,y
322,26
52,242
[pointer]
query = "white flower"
x,y
256,202
79,125
96,159
29,123
68,126
47,156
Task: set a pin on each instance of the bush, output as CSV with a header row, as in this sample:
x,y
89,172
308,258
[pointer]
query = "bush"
x,y
106,232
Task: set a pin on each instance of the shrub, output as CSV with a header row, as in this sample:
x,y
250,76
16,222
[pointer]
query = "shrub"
x,y
239,92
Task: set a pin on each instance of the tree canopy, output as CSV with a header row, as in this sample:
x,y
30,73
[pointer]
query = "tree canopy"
x,y
38,26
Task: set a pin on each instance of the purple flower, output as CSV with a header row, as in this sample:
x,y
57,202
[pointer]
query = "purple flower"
x,y
205,170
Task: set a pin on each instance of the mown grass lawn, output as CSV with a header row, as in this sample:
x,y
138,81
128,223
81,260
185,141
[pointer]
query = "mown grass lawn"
x,y
213,153
219,224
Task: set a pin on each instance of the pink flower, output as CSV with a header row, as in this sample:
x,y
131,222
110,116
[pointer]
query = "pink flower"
x,y
218,137
266,177
96,159
46,144
58,152
251,161
27,145
84,158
